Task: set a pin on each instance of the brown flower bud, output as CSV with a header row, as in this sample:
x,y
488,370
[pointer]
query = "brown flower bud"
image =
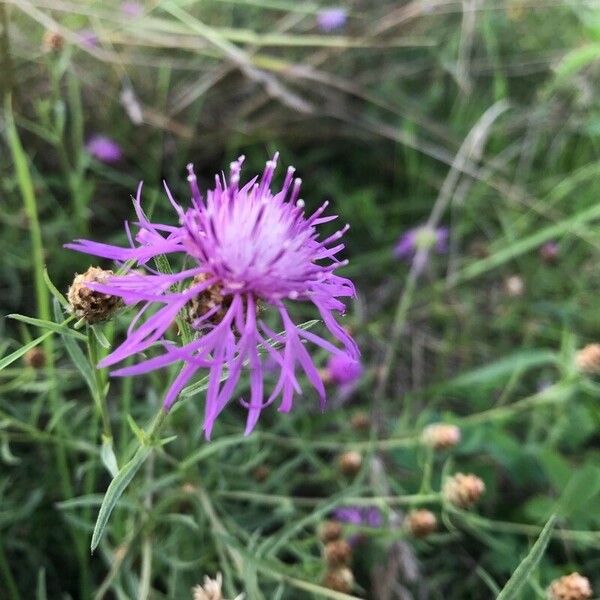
x,y
340,580
337,553
587,360
52,41
570,587
440,436
463,490
330,531
361,421
88,304
350,462
36,358
261,473
420,523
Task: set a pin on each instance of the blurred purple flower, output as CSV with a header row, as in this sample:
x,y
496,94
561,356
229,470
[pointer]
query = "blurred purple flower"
x,y
330,19
88,38
342,369
104,149
421,237
366,516
132,9
247,246
549,252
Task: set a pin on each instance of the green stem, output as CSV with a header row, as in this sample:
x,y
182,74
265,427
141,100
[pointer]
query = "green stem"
x,y
7,576
92,346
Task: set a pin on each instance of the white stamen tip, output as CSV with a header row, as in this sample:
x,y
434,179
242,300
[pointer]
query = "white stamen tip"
x,y
300,203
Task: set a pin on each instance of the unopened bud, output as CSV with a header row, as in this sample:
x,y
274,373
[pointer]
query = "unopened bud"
x,y
440,436
361,421
463,490
330,531
52,41
570,587
420,523
340,580
350,462
36,358
337,553
261,473
89,305
587,360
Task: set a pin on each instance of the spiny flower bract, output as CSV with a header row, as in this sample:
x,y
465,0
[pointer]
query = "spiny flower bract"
x,y
247,247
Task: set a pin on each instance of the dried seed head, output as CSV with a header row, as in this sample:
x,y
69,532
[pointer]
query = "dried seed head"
x,y
330,531
211,589
420,523
52,41
440,436
350,462
340,580
514,286
587,360
463,490
570,587
88,304
361,421
36,358
337,553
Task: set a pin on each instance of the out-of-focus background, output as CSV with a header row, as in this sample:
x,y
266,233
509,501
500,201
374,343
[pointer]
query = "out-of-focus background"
x,y
477,122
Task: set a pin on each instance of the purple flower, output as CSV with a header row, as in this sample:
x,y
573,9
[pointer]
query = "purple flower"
x,y
104,149
88,38
330,19
247,249
549,252
421,237
343,369
367,516
132,9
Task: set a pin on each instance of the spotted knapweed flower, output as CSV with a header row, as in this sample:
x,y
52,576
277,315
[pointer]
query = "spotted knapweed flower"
x,y
342,369
330,19
132,9
104,149
421,237
359,515
246,250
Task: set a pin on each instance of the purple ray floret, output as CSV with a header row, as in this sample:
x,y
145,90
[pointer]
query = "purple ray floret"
x,y
247,248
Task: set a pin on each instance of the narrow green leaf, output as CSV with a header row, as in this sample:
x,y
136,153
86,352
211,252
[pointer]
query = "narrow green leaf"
x,y
51,325
54,290
581,488
136,429
8,360
107,455
528,564
115,490
77,356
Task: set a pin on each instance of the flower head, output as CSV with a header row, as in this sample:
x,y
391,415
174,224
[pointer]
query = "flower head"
x,y
132,9
248,248
463,490
440,436
89,304
104,149
343,369
420,522
422,237
359,515
211,589
570,587
88,38
330,19
587,360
